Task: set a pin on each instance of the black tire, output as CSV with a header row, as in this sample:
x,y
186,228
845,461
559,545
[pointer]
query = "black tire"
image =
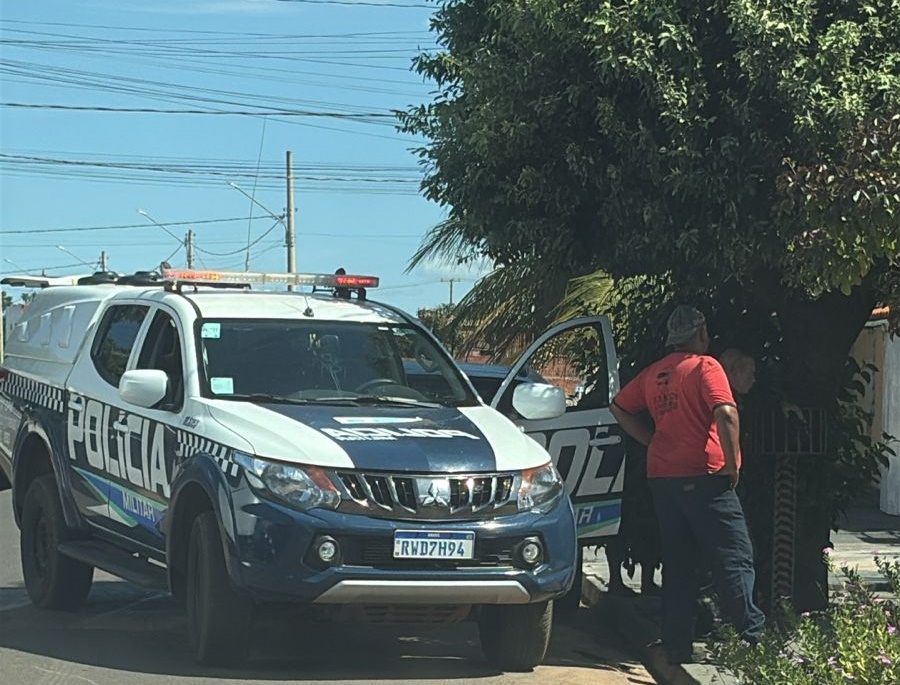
x,y
570,602
218,614
515,637
53,580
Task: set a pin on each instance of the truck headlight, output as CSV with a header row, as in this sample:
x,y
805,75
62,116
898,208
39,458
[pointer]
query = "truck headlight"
x,y
302,487
541,488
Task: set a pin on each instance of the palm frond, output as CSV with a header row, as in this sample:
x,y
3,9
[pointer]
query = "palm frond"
x,y
588,295
506,309
445,243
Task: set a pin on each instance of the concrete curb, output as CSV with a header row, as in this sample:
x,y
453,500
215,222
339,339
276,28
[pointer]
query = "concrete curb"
x,y
633,618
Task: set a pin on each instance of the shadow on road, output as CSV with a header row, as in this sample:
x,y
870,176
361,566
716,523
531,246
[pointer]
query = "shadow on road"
x,y
129,630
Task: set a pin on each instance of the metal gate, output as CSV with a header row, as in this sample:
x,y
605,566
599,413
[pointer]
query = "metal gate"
x,y
785,436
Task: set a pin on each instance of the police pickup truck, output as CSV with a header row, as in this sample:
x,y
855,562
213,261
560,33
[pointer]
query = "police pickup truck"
x,y
241,447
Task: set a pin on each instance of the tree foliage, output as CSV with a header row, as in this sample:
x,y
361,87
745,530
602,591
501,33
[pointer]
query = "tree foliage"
x,y
437,320
747,144
741,155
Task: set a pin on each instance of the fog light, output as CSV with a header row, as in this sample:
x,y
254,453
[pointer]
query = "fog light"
x,y
530,552
327,550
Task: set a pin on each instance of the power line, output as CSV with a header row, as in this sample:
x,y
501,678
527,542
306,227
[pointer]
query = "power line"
x,y
356,3
238,112
120,226
235,166
246,248
210,32
40,269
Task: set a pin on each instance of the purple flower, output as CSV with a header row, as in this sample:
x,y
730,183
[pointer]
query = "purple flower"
x,y
798,659
883,658
831,661
827,551
891,630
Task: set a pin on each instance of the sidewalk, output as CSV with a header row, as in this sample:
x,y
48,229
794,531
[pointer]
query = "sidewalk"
x,y
865,532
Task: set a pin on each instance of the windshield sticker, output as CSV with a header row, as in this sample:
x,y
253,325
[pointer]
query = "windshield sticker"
x,y
221,385
371,420
211,330
352,434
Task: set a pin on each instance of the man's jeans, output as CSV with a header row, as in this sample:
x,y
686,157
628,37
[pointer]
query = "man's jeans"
x,y
700,520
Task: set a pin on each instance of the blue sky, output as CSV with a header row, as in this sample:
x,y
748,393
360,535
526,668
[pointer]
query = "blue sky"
x,y
73,159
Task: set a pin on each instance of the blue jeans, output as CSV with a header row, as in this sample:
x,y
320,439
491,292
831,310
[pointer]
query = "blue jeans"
x,y
701,521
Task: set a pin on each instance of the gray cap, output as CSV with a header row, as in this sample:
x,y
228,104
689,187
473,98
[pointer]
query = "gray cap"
x,y
683,322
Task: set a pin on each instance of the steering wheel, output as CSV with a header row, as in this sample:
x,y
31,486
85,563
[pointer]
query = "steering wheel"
x,y
374,383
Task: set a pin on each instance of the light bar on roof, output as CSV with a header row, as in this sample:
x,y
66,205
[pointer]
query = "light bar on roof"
x,y
270,278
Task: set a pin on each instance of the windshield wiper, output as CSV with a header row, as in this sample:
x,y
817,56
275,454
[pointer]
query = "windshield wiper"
x,y
397,401
338,401
263,397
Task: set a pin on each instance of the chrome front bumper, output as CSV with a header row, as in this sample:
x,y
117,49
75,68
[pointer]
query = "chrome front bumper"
x,y
425,592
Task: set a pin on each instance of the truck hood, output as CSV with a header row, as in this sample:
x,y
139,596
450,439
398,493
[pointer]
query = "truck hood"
x,y
398,439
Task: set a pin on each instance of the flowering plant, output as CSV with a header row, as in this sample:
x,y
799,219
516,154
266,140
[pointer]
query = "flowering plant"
x,y
855,640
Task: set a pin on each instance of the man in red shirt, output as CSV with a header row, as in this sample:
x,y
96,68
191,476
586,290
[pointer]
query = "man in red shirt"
x,y
682,408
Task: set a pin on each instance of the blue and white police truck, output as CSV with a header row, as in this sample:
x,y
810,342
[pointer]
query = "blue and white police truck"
x,y
239,447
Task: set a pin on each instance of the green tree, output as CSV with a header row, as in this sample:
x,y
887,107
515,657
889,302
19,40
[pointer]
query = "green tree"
x,y
437,320
743,155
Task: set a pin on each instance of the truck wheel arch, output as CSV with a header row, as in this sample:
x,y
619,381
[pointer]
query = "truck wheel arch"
x,y
33,460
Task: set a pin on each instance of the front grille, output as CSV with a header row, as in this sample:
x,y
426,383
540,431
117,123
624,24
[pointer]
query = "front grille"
x,y
378,552
427,496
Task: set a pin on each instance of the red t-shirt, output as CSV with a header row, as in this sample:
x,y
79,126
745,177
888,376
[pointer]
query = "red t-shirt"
x,y
680,392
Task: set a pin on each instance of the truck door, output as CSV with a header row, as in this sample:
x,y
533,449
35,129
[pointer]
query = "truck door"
x,y
585,443
145,437
91,409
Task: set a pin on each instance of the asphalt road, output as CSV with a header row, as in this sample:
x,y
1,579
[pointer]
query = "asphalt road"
x,y
127,635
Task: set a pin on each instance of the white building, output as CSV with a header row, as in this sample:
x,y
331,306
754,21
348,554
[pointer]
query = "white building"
x,y
876,345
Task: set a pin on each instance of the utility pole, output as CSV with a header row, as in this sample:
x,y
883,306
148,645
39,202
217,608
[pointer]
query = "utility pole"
x,y
103,260
289,238
189,248
451,281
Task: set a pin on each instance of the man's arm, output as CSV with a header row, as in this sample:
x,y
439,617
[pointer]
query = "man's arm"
x,y
638,426
729,427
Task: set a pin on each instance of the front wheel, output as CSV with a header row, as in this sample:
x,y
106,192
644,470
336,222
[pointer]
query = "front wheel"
x,y
516,637
53,580
218,614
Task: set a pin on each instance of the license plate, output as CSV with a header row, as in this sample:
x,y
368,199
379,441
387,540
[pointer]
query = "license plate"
x,y
426,544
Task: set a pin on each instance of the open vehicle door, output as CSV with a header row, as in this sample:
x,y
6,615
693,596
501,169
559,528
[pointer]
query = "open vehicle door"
x,y
586,443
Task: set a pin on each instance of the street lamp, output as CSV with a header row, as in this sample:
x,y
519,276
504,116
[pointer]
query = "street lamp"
x,y
9,261
162,226
72,254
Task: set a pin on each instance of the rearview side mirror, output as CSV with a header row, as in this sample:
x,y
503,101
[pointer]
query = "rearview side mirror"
x,y
539,401
143,387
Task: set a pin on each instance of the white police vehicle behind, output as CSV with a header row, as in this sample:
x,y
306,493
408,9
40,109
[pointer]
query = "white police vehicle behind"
x,y
239,447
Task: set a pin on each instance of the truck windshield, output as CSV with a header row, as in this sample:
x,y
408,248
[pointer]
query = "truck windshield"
x,y
325,360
